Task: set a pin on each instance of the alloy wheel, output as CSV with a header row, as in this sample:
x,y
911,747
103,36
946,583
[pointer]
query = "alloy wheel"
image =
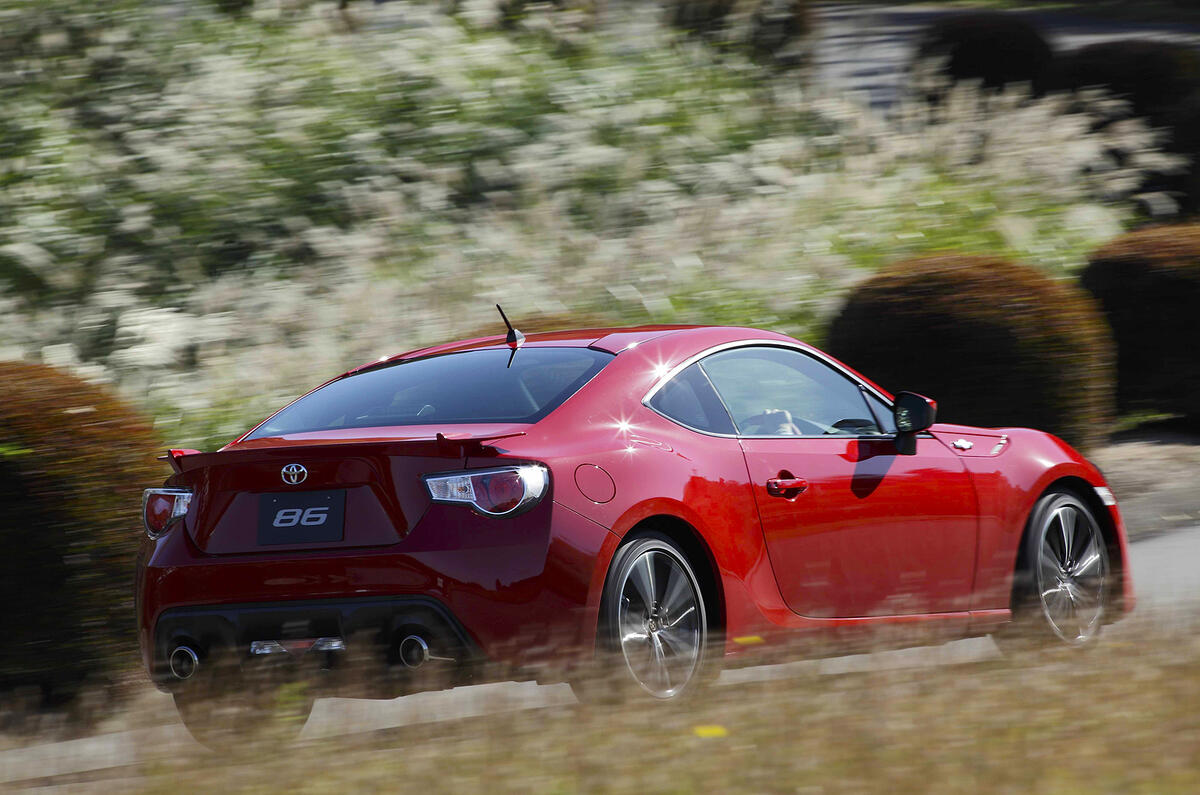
x,y
660,621
1072,571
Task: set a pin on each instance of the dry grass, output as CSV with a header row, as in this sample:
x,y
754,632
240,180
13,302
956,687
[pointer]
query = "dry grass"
x,y
1120,718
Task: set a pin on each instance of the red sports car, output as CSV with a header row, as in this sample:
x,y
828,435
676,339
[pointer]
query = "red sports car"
x,y
654,501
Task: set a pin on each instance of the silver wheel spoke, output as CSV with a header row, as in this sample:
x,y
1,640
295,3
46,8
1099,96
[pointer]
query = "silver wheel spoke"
x,y
680,643
649,564
1088,555
1049,569
1085,567
677,595
1066,523
680,617
642,579
679,665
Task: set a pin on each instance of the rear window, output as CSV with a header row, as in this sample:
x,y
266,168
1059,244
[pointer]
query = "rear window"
x,y
473,386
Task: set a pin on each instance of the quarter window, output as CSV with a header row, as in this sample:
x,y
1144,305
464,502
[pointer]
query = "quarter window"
x,y
773,391
690,400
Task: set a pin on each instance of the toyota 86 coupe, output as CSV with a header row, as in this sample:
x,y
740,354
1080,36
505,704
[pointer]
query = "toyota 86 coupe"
x,y
646,503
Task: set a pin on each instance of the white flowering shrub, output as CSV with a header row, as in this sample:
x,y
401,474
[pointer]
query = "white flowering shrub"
x,y
218,212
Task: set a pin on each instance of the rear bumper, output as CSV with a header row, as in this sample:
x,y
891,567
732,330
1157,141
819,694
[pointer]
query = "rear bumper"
x,y
370,628
520,593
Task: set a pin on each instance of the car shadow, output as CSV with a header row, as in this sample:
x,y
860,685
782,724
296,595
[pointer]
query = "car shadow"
x,y
874,460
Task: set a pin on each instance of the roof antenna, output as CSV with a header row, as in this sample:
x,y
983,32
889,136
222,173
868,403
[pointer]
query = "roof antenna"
x,y
515,338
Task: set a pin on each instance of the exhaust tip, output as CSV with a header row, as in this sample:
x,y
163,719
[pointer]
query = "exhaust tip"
x,y
183,662
414,651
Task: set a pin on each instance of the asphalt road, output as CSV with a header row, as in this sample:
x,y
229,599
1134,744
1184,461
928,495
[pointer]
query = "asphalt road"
x,y
1164,570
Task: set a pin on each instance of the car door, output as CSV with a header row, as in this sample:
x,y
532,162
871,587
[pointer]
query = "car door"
x,y
852,528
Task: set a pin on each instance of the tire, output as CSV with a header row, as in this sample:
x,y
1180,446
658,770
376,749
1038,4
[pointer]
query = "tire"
x,y
228,707
1061,589
654,638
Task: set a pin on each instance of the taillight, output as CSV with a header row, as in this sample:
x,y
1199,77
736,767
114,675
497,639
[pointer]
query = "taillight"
x,y
161,508
503,491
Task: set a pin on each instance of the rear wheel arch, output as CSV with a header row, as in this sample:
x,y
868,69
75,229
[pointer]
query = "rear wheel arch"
x,y
614,673
699,555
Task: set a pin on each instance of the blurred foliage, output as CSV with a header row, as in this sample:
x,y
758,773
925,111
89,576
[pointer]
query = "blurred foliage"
x,y
234,7
769,31
700,16
535,324
1154,79
995,343
1159,81
776,27
73,462
1148,283
992,47
214,212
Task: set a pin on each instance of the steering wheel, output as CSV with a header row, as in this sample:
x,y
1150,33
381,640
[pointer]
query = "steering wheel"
x,y
779,422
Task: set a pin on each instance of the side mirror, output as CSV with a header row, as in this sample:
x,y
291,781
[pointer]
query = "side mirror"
x,y
913,413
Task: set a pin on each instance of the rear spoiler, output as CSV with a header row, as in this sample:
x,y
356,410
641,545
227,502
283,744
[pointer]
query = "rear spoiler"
x,y
438,446
175,454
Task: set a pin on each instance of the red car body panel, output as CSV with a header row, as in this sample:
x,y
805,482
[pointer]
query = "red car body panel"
x,y
878,538
871,528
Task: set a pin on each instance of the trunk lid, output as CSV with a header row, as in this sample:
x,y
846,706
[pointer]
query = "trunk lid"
x,y
320,493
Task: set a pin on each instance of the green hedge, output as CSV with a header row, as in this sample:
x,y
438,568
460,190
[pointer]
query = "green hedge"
x,y
73,463
995,343
1148,283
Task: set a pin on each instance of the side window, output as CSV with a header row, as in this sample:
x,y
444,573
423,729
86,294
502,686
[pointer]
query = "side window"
x,y
782,392
689,399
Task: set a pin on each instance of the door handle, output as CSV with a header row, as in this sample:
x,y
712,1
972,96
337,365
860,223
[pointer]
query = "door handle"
x,y
786,487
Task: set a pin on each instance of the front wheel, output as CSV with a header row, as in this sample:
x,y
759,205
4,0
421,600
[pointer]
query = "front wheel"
x,y
653,624
1063,587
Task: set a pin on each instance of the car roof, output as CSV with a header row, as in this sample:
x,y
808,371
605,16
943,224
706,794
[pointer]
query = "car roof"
x,y
613,340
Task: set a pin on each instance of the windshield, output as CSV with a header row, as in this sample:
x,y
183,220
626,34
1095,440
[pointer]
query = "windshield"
x,y
467,387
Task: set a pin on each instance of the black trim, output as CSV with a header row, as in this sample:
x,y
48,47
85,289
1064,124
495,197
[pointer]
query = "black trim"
x,y
234,626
